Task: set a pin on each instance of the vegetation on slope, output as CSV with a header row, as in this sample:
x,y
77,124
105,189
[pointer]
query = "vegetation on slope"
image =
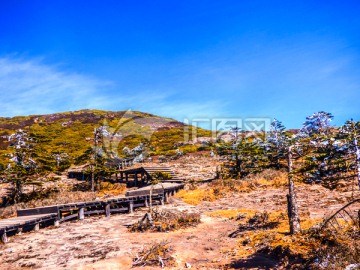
x,y
72,133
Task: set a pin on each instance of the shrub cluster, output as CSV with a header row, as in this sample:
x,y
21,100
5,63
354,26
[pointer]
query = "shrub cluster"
x,y
163,221
157,254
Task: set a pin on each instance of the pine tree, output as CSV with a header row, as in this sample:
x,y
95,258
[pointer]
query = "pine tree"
x,y
100,165
23,166
244,154
349,134
322,160
277,143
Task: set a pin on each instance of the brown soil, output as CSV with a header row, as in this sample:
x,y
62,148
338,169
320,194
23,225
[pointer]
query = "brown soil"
x,y
101,243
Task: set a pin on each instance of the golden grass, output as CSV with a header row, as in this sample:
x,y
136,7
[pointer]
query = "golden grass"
x,y
231,213
194,197
278,236
306,224
266,179
222,188
250,240
109,189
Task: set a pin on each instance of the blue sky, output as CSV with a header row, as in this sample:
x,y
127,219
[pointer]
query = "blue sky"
x,y
182,59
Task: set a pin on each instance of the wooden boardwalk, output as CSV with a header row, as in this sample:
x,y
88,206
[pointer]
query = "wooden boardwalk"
x,y
142,175
35,218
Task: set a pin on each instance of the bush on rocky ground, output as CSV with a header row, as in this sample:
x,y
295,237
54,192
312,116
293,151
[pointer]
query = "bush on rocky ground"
x,y
156,254
196,193
163,221
266,235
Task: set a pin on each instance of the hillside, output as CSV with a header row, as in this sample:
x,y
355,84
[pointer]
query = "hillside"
x,y
72,132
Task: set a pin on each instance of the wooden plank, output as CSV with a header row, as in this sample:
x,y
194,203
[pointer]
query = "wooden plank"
x,y
94,212
158,189
69,217
139,205
14,224
38,210
118,210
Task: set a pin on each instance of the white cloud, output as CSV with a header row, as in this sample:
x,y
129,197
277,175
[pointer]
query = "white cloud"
x,y
32,87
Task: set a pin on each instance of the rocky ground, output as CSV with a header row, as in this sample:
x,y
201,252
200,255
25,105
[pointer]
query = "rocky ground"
x,y
193,166
101,243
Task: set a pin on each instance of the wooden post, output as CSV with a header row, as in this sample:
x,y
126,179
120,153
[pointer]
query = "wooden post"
x,y
146,203
19,231
136,179
4,238
173,192
142,177
37,227
166,197
56,223
131,207
92,180
107,210
81,214
162,200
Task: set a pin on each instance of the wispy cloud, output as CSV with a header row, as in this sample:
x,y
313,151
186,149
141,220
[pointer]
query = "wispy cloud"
x,y
31,87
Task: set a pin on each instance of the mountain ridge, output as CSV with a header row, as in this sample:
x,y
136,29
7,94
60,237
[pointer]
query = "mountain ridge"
x,y
72,131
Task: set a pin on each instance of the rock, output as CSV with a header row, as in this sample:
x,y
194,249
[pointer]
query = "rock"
x,y
352,266
187,265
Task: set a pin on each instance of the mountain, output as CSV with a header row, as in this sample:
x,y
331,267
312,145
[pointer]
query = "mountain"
x,y
72,132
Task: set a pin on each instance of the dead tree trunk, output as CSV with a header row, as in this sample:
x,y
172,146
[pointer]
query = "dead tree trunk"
x,y
150,198
293,213
357,152
92,179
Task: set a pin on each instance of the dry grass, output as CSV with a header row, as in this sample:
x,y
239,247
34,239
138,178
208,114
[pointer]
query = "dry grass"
x,y
272,231
196,196
225,187
109,189
268,234
231,213
266,179
157,254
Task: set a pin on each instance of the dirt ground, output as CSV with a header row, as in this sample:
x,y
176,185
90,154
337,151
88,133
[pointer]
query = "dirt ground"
x,y
102,243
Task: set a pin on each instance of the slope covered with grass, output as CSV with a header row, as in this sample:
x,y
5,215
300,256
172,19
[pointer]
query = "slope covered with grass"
x,y
72,132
